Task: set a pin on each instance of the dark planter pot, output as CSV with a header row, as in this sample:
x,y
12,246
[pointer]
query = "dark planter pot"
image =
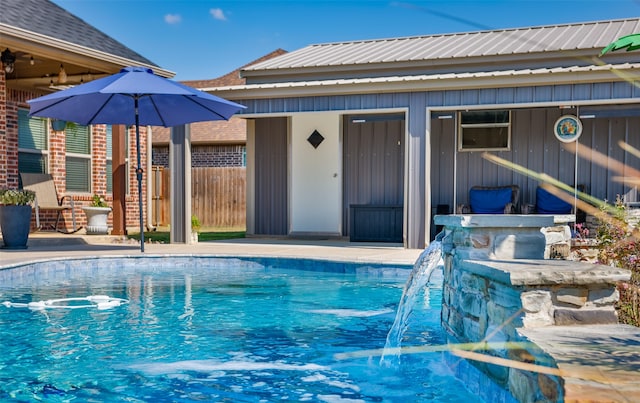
x,y
58,125
15,223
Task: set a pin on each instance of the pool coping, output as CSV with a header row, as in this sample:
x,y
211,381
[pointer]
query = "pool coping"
x,y
598,363
47,246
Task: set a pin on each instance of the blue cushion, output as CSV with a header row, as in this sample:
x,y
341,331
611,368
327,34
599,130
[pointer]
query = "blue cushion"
x,y
546,203
489,201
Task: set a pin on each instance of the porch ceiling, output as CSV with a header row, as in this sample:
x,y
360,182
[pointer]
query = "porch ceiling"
x,y
39,57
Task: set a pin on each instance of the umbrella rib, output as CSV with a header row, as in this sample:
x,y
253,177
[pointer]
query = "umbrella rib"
x,y
194,100
48,106
155,107
104,104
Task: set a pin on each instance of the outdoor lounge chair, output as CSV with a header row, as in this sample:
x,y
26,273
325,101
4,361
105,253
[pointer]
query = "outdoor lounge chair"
x,y
547,203
47,199
492,200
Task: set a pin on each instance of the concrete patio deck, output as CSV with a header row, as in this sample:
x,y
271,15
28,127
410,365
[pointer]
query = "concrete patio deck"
x,y
51,245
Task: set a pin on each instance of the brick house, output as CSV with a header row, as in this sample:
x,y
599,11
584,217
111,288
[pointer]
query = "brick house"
x,y
45,49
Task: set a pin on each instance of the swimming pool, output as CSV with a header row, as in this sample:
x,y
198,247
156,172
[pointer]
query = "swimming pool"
x,y
216,329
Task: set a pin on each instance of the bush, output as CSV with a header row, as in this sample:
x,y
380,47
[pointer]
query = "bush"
x,y
98,201
16,197
620,246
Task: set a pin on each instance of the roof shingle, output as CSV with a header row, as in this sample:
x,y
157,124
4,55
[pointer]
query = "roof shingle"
x,y
46,18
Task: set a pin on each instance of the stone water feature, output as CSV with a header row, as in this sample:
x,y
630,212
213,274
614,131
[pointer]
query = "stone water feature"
x,y
499,288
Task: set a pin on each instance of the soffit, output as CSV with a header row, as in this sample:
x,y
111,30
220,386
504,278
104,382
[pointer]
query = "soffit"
x,y
51,36
435,82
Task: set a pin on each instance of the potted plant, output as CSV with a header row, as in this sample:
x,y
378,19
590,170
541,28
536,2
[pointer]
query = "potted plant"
x,y
97,215
195,228
15,217
58,125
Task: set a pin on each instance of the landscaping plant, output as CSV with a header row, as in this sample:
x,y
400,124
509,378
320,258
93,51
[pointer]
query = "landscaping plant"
x,y
619,246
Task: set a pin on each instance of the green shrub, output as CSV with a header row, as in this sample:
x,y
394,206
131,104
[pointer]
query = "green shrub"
x,y
16,197
195,223
620,246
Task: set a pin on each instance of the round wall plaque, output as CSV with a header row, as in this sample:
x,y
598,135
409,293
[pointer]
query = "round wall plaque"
x,y
567,128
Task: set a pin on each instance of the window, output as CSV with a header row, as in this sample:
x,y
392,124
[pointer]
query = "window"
x,y
33,143
78,158
484,130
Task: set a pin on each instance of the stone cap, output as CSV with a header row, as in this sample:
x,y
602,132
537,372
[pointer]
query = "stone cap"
x,y
495,220
534,272
598,363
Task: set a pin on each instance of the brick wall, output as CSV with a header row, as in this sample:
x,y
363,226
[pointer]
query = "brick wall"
x,y
3,130
205,156
10,102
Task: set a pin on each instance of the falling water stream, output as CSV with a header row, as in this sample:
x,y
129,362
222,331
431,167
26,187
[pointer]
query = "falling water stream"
x,y
427,262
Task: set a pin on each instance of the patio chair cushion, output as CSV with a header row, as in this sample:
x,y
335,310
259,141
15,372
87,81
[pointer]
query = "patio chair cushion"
x,y
547,203
490,200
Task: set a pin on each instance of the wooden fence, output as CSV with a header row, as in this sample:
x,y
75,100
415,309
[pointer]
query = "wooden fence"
x,y
218,196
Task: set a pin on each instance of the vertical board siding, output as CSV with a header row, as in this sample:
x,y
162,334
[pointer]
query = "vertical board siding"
x,y
599,179
271,167
632,161
535,147
617,130
373,165
533,143
442,172
488,96
218,197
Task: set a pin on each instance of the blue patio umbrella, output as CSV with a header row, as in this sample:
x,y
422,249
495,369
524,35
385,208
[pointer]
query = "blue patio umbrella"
x,y
134,96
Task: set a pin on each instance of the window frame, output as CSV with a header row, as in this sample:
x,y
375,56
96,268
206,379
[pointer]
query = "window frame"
x,y
45,152
484,125
109,159
79,156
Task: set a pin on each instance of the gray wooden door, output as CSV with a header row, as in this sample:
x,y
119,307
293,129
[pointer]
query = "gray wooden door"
x,y
374,176
271,177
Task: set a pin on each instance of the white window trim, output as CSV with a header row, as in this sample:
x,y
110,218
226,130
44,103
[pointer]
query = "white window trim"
x,y
88,157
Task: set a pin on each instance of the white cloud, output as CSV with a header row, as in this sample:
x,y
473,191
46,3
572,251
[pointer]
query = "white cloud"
x,y
218,14
172,18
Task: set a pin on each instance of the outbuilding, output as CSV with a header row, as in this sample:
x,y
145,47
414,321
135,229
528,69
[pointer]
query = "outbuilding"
x,y
369,139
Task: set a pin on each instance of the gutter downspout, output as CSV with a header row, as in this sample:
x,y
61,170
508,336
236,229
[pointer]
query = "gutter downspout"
x,y
149,168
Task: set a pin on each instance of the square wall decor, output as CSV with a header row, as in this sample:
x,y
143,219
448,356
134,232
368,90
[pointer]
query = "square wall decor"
x,y
315,139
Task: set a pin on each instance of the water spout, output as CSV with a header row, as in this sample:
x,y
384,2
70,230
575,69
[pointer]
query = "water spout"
x,y
428,260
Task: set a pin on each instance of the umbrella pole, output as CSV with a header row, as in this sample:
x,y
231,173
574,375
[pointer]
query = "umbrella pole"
x,y
139,175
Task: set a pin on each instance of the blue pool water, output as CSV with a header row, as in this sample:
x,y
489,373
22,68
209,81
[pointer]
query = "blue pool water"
x,y
216,329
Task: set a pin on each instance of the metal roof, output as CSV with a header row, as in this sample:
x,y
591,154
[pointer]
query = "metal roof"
x,y
46,18
466,45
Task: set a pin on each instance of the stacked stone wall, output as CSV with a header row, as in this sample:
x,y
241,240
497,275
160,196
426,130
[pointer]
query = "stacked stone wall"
x,y
496,283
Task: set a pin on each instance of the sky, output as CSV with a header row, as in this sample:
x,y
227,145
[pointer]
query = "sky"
x,y
205,39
